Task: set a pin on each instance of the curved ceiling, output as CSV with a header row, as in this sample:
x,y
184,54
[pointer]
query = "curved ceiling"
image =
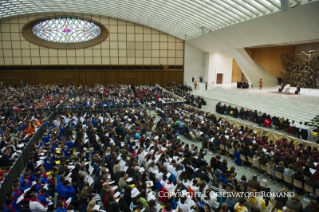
x,y
184,19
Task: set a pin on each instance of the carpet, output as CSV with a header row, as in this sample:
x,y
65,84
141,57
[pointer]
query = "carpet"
x,y
284,93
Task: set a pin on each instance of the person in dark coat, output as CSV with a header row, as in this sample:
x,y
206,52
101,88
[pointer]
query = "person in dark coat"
x,y
253,183
299,176
312,206
203,175
113,205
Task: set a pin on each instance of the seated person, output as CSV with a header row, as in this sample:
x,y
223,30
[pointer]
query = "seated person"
x,y
281,87
297,91
267,122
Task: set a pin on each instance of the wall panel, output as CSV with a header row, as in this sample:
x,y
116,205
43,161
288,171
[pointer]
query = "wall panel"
x,y
236,72
128,43
139,77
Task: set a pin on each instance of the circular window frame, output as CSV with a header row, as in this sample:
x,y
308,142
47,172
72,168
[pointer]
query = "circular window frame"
x,y
28,34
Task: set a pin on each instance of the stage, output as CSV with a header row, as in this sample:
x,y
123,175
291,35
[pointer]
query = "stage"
x,y
299,107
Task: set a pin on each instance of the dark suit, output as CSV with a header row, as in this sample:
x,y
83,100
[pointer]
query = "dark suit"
x,y
253,184
203,176
283,160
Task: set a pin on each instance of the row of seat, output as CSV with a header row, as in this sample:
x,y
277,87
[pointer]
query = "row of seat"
x,y
266,103
279,176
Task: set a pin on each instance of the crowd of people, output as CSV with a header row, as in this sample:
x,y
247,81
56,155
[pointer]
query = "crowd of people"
x,y
299,130
120,157
34,96
103,95
153,94
183,91
16,129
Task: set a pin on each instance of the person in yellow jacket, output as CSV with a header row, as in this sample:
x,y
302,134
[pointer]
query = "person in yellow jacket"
x,y
240,206
260,83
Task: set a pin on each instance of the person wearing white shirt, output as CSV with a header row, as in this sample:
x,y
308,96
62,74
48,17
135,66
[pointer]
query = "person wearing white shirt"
x,y
35,205
140,159
210,198
186,183
184,205
194,186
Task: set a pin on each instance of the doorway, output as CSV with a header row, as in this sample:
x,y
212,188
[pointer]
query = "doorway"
x,y
219,79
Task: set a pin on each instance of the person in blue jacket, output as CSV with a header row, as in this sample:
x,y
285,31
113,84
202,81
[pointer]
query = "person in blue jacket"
x,y
66,153
42,197
69,144
46,138
60,207
67,190
8,205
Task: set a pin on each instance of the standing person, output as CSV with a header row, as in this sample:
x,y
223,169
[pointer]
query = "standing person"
x,y
195,85
201,79
193,79
206,85
21,84
14,84
260,83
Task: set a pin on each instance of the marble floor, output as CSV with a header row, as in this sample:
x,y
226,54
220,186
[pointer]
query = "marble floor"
x,y
301,107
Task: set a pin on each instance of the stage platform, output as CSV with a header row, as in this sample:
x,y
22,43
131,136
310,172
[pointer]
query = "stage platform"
x,y
299,107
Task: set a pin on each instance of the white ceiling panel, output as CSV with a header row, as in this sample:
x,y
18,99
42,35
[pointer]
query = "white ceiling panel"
x,y
175,17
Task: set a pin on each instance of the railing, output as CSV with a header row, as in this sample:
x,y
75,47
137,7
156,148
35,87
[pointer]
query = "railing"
x,y
260,131
176,96
18,165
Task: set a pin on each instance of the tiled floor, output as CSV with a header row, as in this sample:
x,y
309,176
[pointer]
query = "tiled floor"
x,y
294,107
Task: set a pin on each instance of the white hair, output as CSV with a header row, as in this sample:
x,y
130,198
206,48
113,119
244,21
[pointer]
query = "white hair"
x,y
264,182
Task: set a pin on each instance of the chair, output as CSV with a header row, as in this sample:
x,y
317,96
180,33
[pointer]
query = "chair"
x,y
297,184
243,158
256,164
287,88
250,160
288,180
242,187
222,146
278,176
308,189
230,151
269,171
263,168
249,189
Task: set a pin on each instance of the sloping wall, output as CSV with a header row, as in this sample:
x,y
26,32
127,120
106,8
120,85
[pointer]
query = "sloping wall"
x,y
252,70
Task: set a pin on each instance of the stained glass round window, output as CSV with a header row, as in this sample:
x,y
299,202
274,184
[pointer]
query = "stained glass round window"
x,y
66,30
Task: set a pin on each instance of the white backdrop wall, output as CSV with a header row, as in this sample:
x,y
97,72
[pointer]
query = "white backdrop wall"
x,y
194,63
220,62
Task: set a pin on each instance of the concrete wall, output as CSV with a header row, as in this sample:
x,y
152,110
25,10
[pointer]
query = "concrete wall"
x,y
220,63
194,63
296,25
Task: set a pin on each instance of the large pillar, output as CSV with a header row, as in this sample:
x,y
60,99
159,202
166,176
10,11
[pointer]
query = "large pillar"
x,y
252,70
